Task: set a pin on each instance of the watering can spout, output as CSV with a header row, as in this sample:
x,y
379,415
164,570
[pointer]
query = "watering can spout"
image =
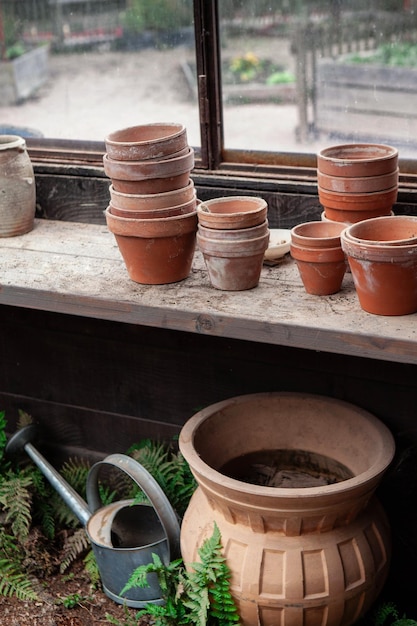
x,y
21,441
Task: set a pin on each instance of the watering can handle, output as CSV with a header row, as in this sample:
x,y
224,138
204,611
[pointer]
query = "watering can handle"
x,y
149,486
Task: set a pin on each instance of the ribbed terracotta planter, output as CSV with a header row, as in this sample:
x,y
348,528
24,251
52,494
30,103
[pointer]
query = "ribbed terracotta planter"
x,y
384,274
147,141
149,202
232,212
17,187
145,177
233,265
358,160
155,251
311,544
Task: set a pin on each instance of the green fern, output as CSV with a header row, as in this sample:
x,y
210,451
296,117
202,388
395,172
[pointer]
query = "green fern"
x,y
387,612
16,498
74,546
91,567
3,436
14,583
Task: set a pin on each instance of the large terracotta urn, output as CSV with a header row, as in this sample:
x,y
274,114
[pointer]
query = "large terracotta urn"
x,y
290,480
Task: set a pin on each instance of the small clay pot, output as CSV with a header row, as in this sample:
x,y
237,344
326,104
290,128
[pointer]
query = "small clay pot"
x,y
384,275
317,234
232,212
155,251
181,209
233,265
147,141
397,230
358,160
149,202
366,184
321,269
231,234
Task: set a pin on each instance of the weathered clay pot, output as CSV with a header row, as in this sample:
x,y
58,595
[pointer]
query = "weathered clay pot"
x,y
385,275
155,251
147,141
151,201
317,234
231,234
17,187
397,230
144,177
233,265
358,160
181,209
301,548
232,212
352,184
352,207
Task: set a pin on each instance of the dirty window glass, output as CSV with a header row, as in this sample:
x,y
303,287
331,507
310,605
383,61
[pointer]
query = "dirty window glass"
x,y
298,76
80,69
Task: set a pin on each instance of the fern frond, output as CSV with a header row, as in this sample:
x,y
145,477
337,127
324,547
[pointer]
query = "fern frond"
x,y
75,545
3,436
91,567
14,583
16,498
383,612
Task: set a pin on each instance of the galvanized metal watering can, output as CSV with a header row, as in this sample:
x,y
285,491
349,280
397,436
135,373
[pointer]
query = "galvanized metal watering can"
x,y
123,535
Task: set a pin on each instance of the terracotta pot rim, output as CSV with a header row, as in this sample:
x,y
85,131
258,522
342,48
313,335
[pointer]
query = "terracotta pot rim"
x,y
358,197
233,233
144,214
228,248
357,184
380,464
350,231
381,152
152,196
334,254
259,205
152,207
8,142
162,138
153,227
317,241
141,170
379,252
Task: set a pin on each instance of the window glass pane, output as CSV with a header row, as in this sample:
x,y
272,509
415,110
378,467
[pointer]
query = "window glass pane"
x,y
107,64
298,76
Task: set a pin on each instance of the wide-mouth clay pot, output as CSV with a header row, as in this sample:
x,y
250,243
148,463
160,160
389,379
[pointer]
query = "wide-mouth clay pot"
x,y
321,269
358,159
384,275
317,234
232,234
147,141
139,170
299,550
352,184
398,230
181,209
151,201
232,212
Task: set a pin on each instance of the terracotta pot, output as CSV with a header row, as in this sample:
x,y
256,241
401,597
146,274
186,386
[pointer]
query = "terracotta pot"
x,y
352,217
231,234
321,269
317,234
149,202
151,185
181,209
358,201
392,230
358,160
17,187
384,275
233,265
232,212
155,251
148,141
367,184
300,550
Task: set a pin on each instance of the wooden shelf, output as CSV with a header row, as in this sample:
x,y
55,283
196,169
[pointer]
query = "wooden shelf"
x,y
76,269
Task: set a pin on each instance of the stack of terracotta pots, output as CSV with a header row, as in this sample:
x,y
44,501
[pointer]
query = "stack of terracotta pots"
x,y
357,181
382,254
152,210
233,235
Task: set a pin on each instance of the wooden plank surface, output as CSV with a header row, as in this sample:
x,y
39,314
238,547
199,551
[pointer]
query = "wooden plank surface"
x,y
77,269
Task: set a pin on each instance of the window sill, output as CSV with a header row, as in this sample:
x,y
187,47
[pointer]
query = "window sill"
x,y
76,269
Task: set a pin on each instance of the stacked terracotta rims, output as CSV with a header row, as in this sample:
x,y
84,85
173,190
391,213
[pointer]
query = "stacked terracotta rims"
x,y
357,181
152,211
233,235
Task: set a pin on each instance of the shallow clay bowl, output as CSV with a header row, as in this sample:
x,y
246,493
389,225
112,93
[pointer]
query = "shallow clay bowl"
x,y
367,184
317,234
232,212
181,209
148,141
394,230
279,243
151,201
358,201
360,159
